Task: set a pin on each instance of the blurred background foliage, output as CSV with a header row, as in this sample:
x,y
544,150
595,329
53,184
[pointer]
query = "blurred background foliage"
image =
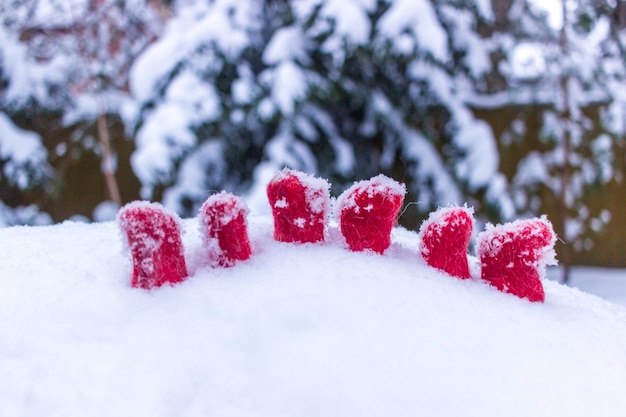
x,y
515,107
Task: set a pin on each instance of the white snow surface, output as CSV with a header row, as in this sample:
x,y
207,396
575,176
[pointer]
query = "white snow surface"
x,y
297,330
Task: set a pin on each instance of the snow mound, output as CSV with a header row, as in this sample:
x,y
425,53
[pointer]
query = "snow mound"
x,y
296,330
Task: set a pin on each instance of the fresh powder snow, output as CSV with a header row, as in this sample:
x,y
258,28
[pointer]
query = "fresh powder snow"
x,y
295,330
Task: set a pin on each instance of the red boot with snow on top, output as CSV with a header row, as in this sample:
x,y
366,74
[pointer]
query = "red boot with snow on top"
x,y
224,229
444,240
513,256
368,211
153,236
300,205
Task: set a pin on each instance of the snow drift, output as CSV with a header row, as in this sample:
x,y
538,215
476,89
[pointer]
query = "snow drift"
x,y
296,330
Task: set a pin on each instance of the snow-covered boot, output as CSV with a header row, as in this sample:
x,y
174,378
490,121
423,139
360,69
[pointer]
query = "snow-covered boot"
x,y
153,236
444,240
368,211
224,229
300,205
513,256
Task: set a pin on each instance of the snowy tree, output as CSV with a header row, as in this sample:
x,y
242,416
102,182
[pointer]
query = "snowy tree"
x,y
343,89
198,131
230,91
23,168
23,165
568,63
71,58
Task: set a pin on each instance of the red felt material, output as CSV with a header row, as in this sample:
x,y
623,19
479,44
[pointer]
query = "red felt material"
x,y
445,238
512,254
368,212
299,206
223,221
153,235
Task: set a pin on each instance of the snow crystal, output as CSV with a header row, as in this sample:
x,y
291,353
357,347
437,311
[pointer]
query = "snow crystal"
x,y
281,203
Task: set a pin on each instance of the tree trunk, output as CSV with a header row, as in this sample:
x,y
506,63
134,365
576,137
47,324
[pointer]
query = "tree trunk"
x,y
566,117
108,164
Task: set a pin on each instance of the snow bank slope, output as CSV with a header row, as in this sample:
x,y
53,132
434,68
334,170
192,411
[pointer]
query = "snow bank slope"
x,y
309,330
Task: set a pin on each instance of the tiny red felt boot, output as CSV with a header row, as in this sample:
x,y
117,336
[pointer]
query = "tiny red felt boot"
x,y
224,229
300,204
368,211
444,240
153,235
513,256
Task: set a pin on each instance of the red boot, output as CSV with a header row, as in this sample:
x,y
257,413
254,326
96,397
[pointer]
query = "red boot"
x,y
444,239
224,229
153,235
300,204
368,211
513,255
